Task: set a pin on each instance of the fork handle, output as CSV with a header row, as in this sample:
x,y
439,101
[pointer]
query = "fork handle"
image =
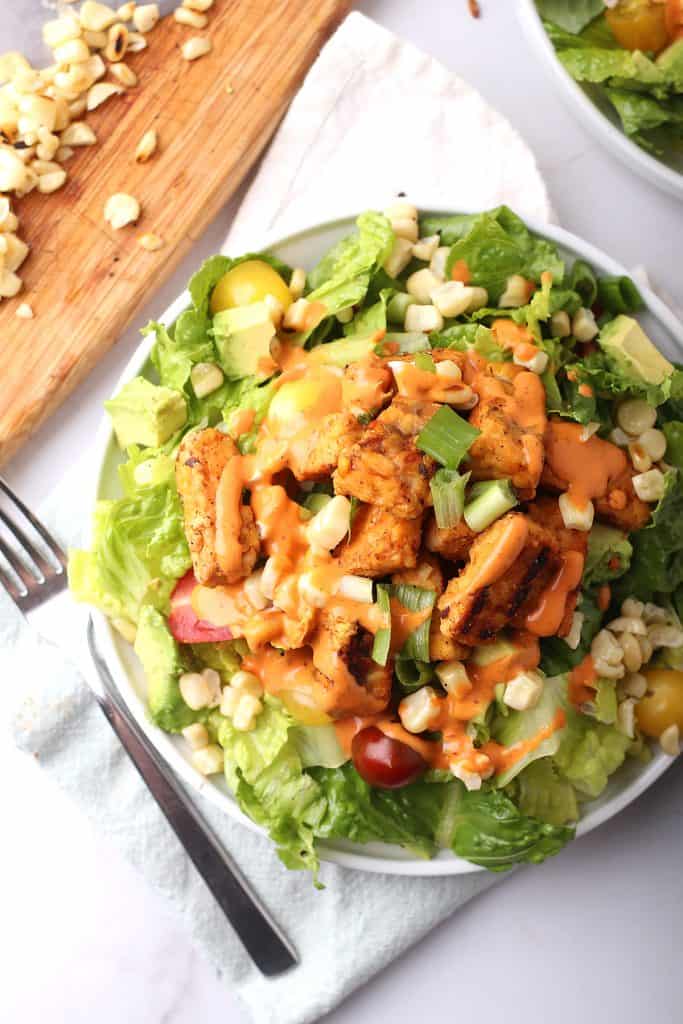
x,y
260,935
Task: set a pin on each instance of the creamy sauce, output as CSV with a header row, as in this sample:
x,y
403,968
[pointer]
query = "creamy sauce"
x,y
547,616
502,552
585,467
604,597
485,678
461,272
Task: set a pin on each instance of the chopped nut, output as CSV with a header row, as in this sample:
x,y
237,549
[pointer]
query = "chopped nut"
x,y
61,30
196,47
146,17
136,42
146,146
96,17
77,107
24,311
101,92
185,16
117,43
198,5
78,134
95,67
124,74
126,11
12,170
74,51
121,209
64,153
10,284
95,40
44,167
150,242
10,63
51,182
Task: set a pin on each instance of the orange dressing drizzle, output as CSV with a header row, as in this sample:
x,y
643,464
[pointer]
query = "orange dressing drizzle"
x,y
586,467
547,616
461,272
424,385
582,680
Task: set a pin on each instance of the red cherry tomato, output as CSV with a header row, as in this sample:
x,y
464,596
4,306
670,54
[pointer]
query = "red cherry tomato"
x,y
383,761
183,622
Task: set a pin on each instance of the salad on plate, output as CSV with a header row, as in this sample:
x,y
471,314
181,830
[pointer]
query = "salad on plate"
x,y
629,54
400,538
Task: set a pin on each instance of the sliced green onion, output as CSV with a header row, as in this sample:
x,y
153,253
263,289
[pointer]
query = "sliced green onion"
x,y
397,306
619,295
316,501
447,437
405,342
412,675
489,500
382,643
448,493
415,599
584,281
423,361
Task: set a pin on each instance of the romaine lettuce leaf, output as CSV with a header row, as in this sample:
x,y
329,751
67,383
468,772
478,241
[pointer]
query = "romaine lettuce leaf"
x,y
657,562
541,793
598,65
572,16
139,552
518,726
498,245
640,113
590,752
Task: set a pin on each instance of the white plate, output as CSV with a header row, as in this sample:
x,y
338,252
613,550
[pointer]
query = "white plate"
x,y
597,114
304,249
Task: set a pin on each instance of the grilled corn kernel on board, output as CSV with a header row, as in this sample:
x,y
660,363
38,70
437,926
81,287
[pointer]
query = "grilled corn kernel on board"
x,y
400,546
147,172
629,54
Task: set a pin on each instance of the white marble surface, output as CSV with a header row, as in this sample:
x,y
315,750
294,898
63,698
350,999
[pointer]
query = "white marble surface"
x,y
595,934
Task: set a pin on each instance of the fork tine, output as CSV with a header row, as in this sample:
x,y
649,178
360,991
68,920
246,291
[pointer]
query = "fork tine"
x,y
28,547
8,584
27,578
47,537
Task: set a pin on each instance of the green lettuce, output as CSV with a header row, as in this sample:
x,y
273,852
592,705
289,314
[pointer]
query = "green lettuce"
x,y
139,552
589,753
657,562
598,65
541,793
572,16
470,337
496,245
518,726
343,276
556,656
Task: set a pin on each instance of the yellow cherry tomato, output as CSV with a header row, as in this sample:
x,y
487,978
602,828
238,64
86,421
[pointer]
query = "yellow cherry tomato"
x,y
249,282
301,706
663,704
303,401
639,25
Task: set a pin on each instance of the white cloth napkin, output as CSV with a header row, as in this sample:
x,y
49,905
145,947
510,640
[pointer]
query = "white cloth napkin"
x,y
374,117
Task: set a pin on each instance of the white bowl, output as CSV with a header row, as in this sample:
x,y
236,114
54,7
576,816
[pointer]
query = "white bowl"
x,y
597,113
304,249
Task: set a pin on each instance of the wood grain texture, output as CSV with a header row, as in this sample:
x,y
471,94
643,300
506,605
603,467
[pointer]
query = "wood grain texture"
x,y
84,280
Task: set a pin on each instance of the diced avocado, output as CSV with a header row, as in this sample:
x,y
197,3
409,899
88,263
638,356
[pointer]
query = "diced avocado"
x,y
343,351
609,555
488,653
625,342
161,660
243,337
145,413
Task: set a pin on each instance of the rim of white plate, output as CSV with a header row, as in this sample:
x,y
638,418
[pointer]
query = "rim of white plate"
x,y
630,153
112,645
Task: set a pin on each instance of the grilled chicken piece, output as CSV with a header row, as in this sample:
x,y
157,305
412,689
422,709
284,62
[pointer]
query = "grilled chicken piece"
x,y
202,457
384,467
351,683
313,454
428,574
453,543
501,582
380,542
622,507
368,386
546,512
511,417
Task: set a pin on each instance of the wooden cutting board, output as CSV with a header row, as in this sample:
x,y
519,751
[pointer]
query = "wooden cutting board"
x,y
214,116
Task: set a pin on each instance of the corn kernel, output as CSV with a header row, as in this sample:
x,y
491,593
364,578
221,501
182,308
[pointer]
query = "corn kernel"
x,y
209,760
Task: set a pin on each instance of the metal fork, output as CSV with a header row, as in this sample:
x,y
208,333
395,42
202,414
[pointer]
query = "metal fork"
x,y
35,571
